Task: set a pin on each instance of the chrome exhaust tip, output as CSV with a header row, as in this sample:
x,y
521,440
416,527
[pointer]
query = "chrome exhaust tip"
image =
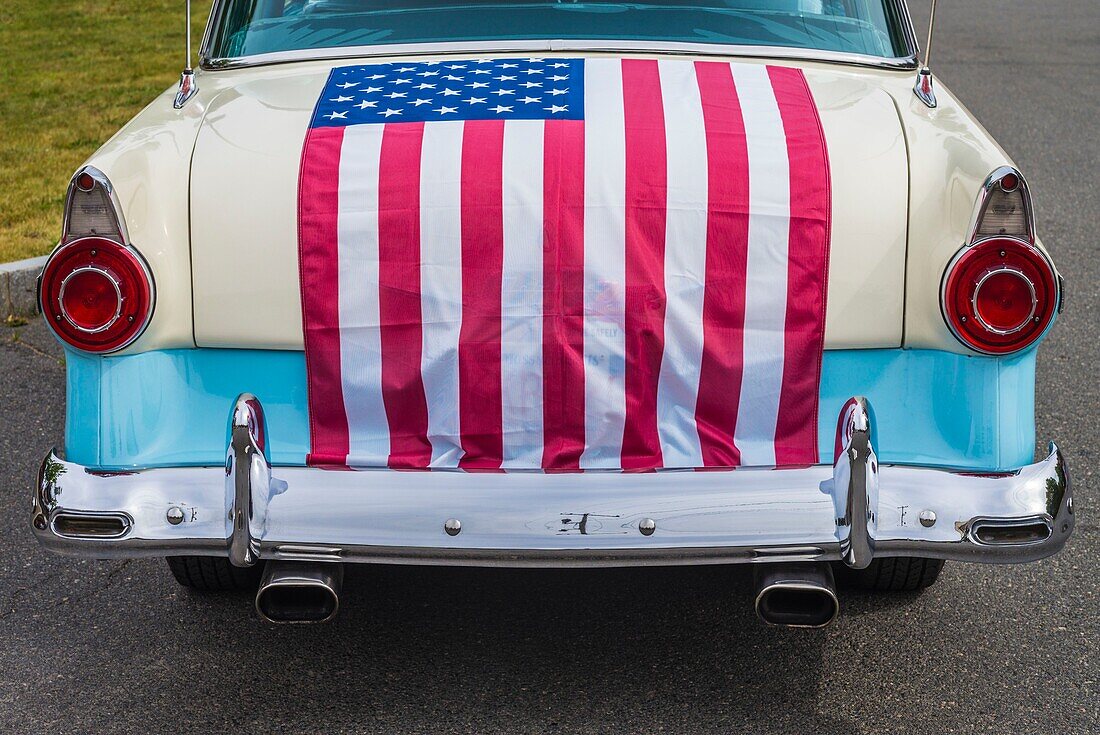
x,y
292,592
796,595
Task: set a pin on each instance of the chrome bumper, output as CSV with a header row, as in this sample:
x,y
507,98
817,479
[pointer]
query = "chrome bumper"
x,y
853,510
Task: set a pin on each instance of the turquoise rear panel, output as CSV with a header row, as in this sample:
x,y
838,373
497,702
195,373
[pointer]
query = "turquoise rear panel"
x,y
171,407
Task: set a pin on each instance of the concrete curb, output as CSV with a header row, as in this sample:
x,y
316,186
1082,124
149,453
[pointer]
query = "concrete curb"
x,y
19,286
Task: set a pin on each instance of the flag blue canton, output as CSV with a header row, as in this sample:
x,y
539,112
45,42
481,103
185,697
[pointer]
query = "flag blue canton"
x,y
475,89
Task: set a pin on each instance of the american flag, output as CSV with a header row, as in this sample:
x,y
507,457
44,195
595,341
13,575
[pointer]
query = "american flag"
x,y
564,263
483,89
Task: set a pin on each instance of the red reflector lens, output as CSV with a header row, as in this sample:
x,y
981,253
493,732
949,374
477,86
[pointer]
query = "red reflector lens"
x,y
999,296
1009,182
96,294
85,182
1004,300
90,299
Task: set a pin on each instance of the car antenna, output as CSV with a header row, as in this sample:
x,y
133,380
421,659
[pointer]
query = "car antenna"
x,y
188,85
923,88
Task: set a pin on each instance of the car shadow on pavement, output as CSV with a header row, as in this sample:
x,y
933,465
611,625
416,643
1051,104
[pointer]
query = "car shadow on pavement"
x,y
477,650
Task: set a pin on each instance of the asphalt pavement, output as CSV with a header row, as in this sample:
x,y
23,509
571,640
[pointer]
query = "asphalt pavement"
x,y
105,647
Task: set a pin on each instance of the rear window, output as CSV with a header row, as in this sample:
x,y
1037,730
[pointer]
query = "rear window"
x,y
250,27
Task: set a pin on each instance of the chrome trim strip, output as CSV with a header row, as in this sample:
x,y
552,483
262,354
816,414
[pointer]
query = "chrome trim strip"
x,y
908,30
853,511
901,9
558,46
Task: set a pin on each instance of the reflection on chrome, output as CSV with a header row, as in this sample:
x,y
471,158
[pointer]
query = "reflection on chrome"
x,y
852,511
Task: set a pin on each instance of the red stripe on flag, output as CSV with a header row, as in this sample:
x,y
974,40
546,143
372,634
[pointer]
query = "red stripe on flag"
x,y
318,267
646,213
563,294
399,295
807,268
479,374
721,368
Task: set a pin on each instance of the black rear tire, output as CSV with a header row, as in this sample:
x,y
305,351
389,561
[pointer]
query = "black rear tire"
x,y
893,574
213,574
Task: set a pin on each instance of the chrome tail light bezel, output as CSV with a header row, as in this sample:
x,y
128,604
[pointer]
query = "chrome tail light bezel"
x,y
74,239
1046,287
1047,295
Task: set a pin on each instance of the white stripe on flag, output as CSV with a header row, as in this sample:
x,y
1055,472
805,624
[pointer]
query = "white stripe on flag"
x,y
766,271
604,264
360,336
441,284
685,265
521,294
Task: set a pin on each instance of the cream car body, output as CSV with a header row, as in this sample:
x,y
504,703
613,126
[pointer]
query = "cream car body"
x,y
903,203
209,194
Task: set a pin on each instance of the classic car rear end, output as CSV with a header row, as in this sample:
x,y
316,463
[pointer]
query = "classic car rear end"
x,y
621,302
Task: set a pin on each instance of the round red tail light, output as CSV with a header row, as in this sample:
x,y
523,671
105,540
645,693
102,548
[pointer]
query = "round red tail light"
x,y
999,296
96,294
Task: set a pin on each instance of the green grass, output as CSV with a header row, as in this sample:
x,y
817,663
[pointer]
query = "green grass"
x,y
72,72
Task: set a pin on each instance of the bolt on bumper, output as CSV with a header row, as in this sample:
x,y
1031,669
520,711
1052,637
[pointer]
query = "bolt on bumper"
x,y
852,511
